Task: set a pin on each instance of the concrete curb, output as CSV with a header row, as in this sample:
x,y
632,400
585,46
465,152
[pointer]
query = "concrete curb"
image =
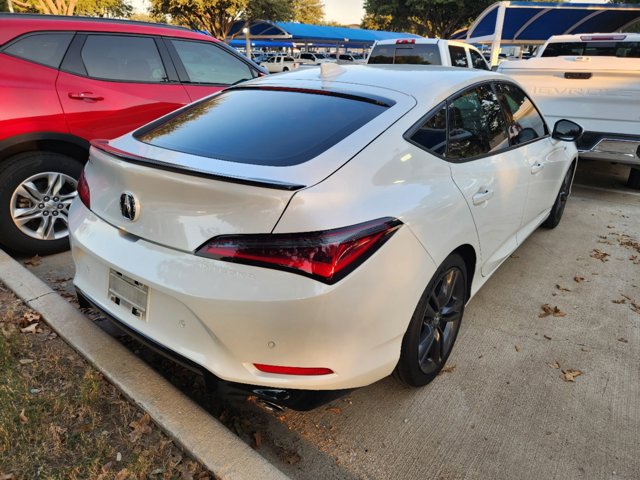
x,y
190,426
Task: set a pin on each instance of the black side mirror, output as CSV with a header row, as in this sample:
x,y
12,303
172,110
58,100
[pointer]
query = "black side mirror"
x,y
567,131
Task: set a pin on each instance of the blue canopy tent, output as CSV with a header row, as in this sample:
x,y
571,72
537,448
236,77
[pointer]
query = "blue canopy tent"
x,y
531,23
312,35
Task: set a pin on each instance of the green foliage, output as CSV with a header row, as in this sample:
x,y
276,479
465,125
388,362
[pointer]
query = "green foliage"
x,y
94,8
307,11
431,18
218,16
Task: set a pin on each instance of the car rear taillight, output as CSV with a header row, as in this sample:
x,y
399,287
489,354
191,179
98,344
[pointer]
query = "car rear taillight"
x,y
293,370
83,191
327,256
406,41
604,38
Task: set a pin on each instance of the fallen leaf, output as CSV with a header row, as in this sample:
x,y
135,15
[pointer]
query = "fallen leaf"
x,y
600,255
517,347
555,365
33,261
635,307
611,226
122,474
30,329
620,301
25,361
140,428
570,374
448,369
7,476
561,288
336,410
23,417
623,340
157,471
547,310
578,279
257,437
547,337
29,317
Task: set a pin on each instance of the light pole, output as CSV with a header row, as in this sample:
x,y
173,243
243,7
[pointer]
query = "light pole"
x,y
247,38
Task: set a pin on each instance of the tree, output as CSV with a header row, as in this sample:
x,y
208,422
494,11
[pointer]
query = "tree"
x,y
431,18
218,16
307,11
95,8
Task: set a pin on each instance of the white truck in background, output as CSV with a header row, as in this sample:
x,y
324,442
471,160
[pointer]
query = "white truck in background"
x,y
593,80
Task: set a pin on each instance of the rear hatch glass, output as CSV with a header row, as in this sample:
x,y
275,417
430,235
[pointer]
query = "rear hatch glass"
x,y
411,54
593,49
264,126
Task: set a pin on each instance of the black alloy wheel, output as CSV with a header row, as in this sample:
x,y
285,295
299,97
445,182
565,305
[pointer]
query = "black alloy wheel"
x,y
553,220
435,324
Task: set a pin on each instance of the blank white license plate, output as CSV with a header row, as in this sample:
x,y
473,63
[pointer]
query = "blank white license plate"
x,y
128,293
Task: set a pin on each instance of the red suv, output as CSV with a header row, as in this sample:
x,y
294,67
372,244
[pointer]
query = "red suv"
x,y
67,80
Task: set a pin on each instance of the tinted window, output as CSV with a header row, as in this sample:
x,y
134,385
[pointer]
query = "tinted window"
x,y
458,56
206,63
476,124
124,58
477,60
524,121
414,54
432,135
593,49
45,48
220,126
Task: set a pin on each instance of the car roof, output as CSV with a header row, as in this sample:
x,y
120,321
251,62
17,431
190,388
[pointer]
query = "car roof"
x,y
16,24
428,84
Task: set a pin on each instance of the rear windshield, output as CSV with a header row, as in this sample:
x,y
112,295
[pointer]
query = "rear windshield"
x,y
593,49
413,54
260,126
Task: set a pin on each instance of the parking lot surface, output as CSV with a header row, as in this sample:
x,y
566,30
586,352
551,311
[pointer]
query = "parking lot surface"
x,y
505,407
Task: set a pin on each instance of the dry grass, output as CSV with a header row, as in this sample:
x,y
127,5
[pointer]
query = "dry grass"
x,y
60,419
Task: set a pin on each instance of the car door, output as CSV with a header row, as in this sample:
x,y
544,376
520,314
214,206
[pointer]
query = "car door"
x,y
546,158
492,178
110,84
205,67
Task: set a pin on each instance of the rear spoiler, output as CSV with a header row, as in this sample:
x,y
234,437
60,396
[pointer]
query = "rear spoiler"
x,y
103,145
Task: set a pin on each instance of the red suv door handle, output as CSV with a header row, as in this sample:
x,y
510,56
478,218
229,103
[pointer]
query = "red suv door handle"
x,y
85,96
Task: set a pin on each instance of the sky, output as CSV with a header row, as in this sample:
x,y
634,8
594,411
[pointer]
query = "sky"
x,y
344,11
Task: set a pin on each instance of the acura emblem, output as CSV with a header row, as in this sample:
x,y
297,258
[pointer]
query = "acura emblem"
x,y
129,206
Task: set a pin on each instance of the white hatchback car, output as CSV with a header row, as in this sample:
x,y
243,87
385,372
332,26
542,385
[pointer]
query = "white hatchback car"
x,y
334,256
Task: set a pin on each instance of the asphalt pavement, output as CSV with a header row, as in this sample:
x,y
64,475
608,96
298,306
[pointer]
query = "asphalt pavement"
x,y
530,391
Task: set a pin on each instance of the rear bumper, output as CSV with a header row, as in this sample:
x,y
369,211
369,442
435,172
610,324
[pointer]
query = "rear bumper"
x,y
301,400
610,147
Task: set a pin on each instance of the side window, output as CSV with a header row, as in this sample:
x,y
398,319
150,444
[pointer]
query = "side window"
x,y
45,48
524,121
476,124
432,135
206,63
123,58
458,56
477,60
288,59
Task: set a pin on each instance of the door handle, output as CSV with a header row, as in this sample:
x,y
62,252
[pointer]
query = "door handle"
x,y
85,96
537,168
482,196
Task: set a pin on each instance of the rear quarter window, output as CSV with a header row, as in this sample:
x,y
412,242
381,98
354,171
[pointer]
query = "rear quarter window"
x,y
284,127
44,48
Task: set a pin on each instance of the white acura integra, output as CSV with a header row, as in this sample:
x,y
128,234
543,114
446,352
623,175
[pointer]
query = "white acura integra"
x,y
317,231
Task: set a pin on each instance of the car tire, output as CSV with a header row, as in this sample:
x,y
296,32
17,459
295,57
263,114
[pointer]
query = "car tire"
x,y
634,178
36,189
285,69
435,324
553,220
